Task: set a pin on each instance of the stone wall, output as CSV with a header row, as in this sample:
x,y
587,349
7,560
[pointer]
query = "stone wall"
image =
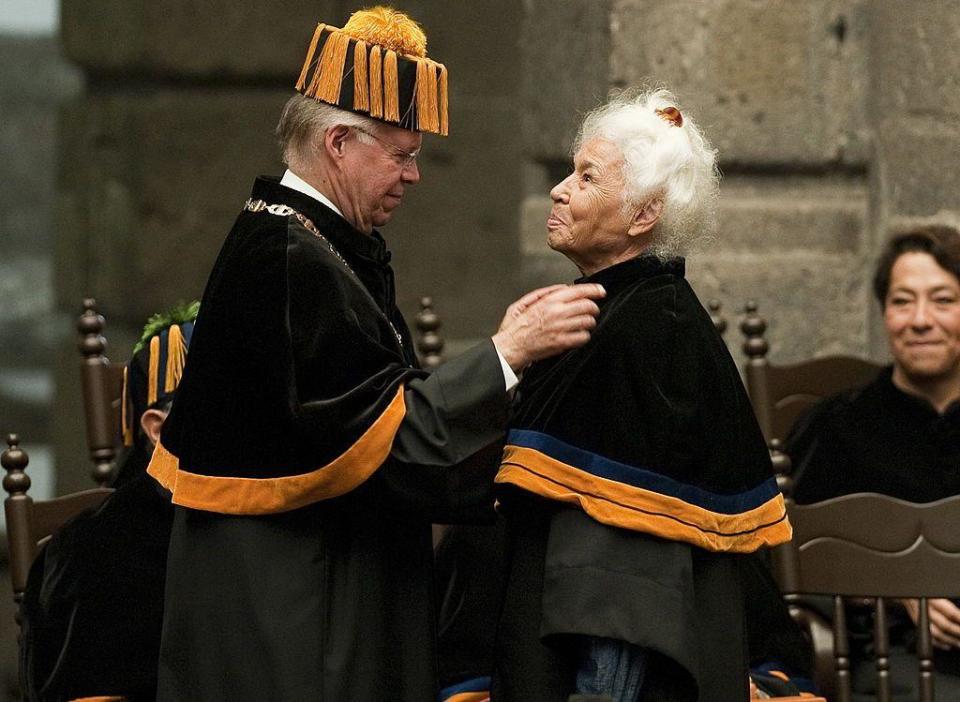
x,y
836,122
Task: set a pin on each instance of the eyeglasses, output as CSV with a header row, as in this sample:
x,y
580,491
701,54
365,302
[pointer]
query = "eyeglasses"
x,y
404,159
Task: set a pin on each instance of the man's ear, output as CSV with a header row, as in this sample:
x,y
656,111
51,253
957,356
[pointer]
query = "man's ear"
x,y
151,421
646,217
334,140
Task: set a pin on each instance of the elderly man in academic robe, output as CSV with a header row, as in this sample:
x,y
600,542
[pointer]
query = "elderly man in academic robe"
x,y
306,453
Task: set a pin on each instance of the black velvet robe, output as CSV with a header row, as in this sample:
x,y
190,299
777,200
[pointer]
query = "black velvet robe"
x,y
634,473
308,457
876,438
94,601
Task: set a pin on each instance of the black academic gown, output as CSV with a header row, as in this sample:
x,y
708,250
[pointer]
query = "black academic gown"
x,y
308,456
634,477
94,600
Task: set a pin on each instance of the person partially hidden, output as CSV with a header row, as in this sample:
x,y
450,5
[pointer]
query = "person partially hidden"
x,y
93,606
900,434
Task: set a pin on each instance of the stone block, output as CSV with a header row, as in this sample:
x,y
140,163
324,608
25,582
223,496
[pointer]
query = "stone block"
x,y
217,39
775,84
780,214
479,45
919,174
915,58
150,184
566,57
815,304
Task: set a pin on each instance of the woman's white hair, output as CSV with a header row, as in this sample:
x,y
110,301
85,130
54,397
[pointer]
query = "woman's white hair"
x,y
304,120
675,163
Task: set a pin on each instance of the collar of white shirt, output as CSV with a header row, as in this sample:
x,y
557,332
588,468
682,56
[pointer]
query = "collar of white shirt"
x,y
294,182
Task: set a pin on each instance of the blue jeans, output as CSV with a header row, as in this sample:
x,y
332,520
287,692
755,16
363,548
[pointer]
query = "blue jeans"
x,y
611,667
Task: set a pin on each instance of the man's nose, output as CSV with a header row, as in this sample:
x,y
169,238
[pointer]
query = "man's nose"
x,y
411,173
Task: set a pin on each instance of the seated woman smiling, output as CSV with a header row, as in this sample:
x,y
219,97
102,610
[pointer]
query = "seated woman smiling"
x,y
635,479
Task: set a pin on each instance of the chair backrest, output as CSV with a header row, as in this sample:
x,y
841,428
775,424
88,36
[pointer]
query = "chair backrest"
x,y
30,523
101,384
780,394
870,545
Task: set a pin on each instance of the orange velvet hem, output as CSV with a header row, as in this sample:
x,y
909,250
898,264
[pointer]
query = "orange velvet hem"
x,y
251,496
628,507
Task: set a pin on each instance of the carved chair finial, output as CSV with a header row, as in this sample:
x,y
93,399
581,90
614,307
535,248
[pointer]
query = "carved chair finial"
x,y
715,307
429,343
14,460
90,325
753,326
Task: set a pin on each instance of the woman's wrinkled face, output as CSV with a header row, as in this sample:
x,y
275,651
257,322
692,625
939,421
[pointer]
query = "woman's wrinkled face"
x,y
921,314
588,222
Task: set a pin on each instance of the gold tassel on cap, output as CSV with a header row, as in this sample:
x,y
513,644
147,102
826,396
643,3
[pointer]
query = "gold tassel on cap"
x,y
153,374
126,427
442,108
426,91
386,44
376,83
176,358
361,84
391,88
302,81
328,77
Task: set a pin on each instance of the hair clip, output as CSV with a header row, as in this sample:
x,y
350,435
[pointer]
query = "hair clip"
x,y
671,115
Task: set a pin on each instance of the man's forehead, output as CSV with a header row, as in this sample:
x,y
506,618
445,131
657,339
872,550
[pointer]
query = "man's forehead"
x,y
404,138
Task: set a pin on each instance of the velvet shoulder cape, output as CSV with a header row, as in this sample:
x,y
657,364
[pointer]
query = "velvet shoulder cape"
x,y
648,426
293,390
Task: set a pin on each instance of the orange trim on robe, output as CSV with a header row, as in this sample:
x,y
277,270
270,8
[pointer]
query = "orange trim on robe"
x,y
469,697
628,507
251,496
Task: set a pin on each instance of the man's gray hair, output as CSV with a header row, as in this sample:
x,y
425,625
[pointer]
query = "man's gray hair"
x,y
675,163
304,121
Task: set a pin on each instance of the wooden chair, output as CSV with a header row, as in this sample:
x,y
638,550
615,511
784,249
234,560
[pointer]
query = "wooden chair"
x,y
30,523
101,384
781,393
874,546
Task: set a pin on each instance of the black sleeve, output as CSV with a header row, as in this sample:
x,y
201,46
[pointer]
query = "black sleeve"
x,y
447,448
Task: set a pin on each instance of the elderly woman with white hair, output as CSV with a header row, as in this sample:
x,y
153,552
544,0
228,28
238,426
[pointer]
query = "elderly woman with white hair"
x,y
635,475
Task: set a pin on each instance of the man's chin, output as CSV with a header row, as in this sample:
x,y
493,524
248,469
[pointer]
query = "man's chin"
x,y
381,217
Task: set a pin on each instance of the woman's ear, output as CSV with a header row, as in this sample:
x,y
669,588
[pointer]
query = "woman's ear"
x,y
645,218
151,421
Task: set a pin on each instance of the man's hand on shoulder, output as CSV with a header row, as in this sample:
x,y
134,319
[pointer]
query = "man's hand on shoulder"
x,y
547,321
